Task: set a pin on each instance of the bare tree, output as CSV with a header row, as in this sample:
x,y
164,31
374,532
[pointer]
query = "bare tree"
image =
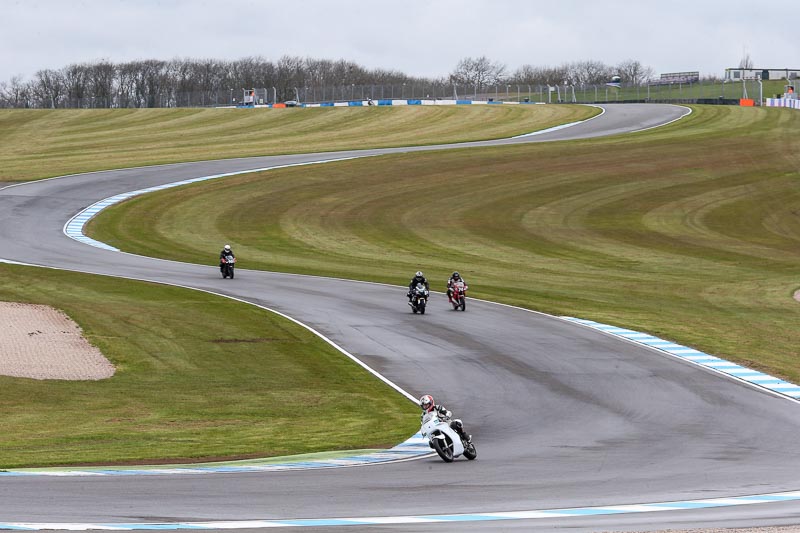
x,y
589,72
17,93
126,85
530,75
101,80
634,72
49,87
76,85
746,61
480,72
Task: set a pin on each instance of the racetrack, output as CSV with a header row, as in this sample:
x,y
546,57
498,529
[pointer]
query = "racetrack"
x,y
563,416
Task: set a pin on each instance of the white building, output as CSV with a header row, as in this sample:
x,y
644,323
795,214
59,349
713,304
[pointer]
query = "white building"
x,y
738,74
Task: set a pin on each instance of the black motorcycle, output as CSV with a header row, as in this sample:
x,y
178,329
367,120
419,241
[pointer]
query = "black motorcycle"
x,y
419,298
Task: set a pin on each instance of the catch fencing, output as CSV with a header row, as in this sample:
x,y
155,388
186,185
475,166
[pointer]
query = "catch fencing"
x,y
704,92
709,91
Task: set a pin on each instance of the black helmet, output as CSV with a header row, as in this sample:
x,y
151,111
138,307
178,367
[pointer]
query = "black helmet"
x,y
456,275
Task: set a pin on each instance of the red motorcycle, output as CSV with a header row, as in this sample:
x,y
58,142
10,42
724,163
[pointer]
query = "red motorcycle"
x,y
458,296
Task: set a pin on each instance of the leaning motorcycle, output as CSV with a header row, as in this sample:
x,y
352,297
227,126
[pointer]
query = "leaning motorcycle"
x,y
226,264
419,298
458,295
444,439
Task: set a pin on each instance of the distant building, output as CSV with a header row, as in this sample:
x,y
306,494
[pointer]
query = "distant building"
x,y
738,74
680,77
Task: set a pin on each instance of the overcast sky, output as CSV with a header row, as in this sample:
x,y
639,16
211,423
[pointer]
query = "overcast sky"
x,y
420,38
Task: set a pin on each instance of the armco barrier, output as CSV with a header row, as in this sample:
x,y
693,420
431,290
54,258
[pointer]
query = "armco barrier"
x,y
393,102
792,103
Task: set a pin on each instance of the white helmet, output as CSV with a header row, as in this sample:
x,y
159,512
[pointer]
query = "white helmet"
x,y
419,274
426,403
227,246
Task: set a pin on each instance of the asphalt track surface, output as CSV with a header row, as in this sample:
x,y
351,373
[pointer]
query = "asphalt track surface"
x,y
563,416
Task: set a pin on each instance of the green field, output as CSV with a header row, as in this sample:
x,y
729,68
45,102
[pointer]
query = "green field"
x,y
43,143
689,232
198,377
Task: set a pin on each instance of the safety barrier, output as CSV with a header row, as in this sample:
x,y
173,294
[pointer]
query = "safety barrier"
x,y
392,102
783,102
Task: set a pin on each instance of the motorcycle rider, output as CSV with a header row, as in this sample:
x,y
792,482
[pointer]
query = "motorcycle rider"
x,y
419,277
455,278
226,251
427,405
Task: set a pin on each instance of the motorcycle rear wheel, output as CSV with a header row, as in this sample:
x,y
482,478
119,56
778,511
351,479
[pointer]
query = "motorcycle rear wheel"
x,y
444,447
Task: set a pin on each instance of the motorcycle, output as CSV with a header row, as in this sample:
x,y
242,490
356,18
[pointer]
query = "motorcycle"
x,y
226,266
458,296
419,299
444,439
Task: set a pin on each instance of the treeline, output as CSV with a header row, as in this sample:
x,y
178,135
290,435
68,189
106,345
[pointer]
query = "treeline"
x,y
207,82
483,71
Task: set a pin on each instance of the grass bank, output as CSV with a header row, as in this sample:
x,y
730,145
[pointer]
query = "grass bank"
x,y
689,232
199,377
51,142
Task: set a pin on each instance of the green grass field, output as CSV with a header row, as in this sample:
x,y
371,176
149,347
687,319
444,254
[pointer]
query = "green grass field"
x,y
198,377
43,143
689,232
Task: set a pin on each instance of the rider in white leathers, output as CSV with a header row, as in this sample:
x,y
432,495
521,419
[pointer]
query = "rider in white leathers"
x,y
427,405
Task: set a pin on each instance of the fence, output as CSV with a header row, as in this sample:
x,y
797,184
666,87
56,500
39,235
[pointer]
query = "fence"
x,y
708,91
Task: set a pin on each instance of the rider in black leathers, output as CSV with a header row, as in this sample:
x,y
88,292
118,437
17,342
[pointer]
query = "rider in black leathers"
x,y
418,278
427,405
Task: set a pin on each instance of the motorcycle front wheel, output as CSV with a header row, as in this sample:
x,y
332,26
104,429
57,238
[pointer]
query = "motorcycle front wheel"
x,y
444,447
470,452
462,303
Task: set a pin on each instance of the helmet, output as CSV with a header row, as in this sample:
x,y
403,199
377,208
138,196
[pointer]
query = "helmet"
x,y
227,246
419,274
426,403
456,275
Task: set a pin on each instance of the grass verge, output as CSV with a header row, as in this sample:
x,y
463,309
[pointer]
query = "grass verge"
x,y
199,377
43,143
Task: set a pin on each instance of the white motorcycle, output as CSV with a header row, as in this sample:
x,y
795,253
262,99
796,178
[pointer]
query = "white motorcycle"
x,y
444,439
